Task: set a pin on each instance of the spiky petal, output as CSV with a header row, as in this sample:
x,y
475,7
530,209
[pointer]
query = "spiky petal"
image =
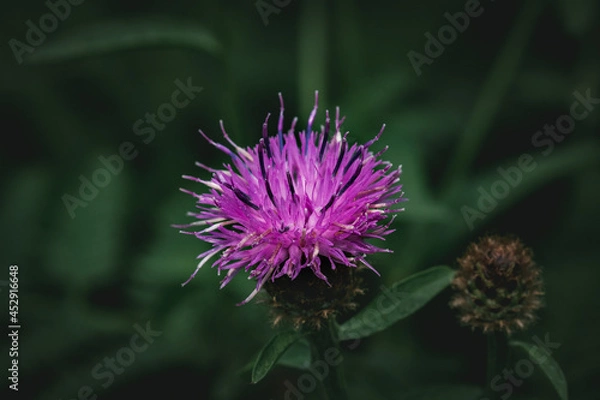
x,y
294,200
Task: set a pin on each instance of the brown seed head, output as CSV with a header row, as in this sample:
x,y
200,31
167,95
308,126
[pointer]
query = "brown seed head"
x,y
498,285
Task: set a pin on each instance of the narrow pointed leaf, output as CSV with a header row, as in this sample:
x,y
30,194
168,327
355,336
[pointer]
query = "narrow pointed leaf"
x,y
109,37
547,364
297,356
397,302
270,354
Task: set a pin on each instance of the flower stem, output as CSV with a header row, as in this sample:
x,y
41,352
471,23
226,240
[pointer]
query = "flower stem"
x,y
497,349
326,348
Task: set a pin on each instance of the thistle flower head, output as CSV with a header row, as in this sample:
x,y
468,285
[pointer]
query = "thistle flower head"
x,y
294,202
498,285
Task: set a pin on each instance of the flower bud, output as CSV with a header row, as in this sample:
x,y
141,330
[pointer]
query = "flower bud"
x,y
498,285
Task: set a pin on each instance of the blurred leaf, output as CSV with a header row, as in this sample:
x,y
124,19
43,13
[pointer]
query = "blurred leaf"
x,y
272,351
443,392
312,54
421,205
492,93
52,320
426,211
560,163
547,364
349,40
375,93
21,213
426,123
402,132
101,336
107,37
406,297
172,256
578,15
186,322
540,85
83,250
62,138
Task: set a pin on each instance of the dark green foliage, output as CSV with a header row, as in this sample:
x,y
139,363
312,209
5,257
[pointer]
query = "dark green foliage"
x,y
88,284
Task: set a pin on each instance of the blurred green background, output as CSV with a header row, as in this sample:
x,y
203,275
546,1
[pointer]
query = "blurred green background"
x,y
86,281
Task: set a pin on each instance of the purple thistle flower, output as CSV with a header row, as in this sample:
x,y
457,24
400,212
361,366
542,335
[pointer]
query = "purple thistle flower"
x,y
284,206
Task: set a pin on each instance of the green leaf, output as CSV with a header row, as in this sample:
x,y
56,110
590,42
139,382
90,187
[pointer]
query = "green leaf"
x,y
108,37
398,302
297,356
270,354
548,365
